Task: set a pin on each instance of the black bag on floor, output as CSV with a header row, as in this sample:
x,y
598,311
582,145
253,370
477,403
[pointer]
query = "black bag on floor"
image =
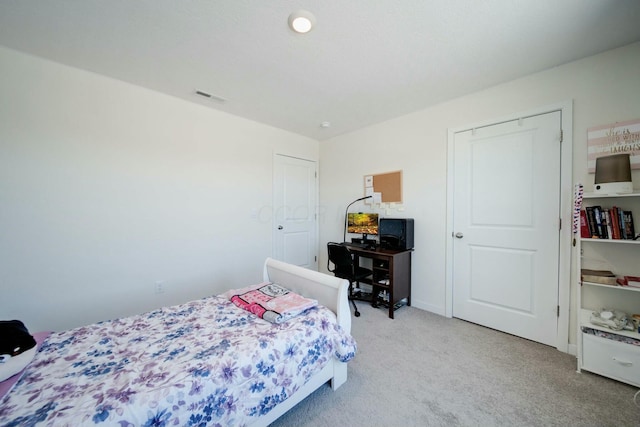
x,y
14,338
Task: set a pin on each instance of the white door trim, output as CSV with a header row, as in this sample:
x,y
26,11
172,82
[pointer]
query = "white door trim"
x,y
566,203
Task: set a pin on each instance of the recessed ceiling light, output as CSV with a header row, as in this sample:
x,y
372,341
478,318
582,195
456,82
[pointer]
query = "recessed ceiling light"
x,y
325,124
302,21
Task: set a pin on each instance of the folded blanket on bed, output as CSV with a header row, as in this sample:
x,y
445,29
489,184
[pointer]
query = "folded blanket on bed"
x,y
269,301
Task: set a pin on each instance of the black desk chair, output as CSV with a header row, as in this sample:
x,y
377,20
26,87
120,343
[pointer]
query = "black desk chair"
x,y
344,267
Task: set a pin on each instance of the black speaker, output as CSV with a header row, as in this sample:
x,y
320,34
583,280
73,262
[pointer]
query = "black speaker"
x,y
396,233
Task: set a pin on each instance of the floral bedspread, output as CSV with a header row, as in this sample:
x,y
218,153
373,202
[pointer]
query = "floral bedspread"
x,y
206,362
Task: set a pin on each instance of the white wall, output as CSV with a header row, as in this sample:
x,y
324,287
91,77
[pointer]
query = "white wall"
x,y
604,88
107,188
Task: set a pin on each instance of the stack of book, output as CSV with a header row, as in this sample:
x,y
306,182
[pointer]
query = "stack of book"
x,y
602,277
606,223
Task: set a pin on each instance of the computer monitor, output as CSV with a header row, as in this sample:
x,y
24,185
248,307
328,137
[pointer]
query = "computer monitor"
x,y
362,223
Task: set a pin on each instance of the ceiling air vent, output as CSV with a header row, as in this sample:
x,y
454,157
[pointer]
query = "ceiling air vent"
x,y
208,95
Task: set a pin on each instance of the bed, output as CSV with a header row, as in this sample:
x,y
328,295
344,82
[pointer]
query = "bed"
x,y
202,363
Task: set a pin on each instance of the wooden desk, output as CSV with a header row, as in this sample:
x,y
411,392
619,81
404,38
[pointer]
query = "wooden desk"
x,y
391,266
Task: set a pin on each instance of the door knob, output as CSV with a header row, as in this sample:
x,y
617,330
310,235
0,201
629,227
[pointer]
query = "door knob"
x,y
280,227
459,235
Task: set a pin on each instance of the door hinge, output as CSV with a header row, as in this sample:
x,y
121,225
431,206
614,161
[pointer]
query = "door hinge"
x,y
560,223
315,258
315,174
561,136
558,312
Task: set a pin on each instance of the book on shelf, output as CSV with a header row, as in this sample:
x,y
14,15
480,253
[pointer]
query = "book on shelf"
x,y
623,233
602,277
629,229
601,225
607,223
615,222
591,222
585,232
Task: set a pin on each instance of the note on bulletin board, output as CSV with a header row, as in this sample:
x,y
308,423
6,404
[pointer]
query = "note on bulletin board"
x,y
388,185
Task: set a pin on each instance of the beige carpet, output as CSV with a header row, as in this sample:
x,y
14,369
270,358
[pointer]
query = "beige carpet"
x,y
422,369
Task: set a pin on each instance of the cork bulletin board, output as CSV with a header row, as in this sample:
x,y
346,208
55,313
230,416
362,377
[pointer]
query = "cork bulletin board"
x,y
389,185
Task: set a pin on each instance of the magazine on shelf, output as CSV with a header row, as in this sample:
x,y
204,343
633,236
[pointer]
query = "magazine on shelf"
x,y
632,281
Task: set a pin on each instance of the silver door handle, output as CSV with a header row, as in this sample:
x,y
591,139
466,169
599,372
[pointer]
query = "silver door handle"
x,y
280,227
459,235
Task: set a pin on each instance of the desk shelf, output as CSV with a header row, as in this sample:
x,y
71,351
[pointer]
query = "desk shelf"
x,y
391,274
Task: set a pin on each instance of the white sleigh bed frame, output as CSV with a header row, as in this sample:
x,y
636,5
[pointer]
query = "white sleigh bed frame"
x,y
328,291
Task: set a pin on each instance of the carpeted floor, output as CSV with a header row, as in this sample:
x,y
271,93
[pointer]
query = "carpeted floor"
x,y
422,369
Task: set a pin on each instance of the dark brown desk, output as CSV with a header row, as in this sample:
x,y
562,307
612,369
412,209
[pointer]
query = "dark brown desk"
x,y
391,273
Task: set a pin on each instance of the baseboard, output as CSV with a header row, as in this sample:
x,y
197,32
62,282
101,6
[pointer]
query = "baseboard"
x,y
572,349
422,305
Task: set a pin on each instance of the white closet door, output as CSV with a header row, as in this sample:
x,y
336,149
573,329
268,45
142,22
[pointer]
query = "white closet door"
x,y
506,220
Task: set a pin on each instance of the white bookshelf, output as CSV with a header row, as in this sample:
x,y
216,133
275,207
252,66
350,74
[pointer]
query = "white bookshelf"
x,y
609,357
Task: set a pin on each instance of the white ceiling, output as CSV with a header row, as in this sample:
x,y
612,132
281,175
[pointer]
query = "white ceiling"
x,y
366,61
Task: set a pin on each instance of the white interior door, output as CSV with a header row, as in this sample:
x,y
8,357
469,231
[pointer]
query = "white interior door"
x,y
295,228
506,225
